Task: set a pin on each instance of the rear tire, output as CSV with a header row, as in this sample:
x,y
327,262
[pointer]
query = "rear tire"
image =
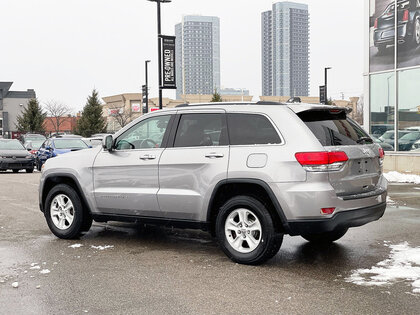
x,y
381,49
243,215
67,218
326,237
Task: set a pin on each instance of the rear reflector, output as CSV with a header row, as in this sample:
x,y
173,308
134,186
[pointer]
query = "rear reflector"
x,y
327,210
376,23
321,158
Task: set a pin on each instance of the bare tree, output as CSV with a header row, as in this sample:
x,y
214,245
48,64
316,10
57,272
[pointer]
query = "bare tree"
x,y
121,114
57,113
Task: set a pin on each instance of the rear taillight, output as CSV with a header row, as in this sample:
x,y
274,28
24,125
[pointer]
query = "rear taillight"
x,y
405,16
376,24
322,161
381,153
327,210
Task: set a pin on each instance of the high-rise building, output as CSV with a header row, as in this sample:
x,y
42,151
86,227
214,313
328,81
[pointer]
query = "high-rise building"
x,y
197,55
285,50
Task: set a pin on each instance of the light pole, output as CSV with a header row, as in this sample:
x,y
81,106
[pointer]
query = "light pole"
x,y
158,2
326,81
147,87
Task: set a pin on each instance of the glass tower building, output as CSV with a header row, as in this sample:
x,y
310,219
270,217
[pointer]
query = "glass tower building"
x,y
285,50
197,55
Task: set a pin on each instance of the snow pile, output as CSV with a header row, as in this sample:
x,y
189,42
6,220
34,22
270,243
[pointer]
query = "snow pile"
x,y
395,177
102,247
390,202
403,264
75,245
44,271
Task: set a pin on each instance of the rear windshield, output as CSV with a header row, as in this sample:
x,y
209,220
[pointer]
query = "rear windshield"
x,y
332,129
70,144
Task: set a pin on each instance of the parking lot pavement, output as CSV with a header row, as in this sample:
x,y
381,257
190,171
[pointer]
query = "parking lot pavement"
x,y
132,269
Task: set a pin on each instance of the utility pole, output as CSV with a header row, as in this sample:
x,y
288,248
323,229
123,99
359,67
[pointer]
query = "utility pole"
x,y
326,81
159,33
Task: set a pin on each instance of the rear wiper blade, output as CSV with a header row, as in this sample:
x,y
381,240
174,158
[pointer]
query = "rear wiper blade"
x,y
365,139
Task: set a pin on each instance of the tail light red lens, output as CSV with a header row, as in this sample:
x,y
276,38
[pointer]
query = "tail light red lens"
x,y
321,158
405,16
376,23
327,210
381,153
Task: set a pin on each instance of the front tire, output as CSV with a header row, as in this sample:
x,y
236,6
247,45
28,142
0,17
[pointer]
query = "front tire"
x,y
15,171
63,211
326,237
245,231
29,170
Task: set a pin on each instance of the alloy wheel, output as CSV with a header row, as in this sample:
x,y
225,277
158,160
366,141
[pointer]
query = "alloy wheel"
x,y
243,230
62,212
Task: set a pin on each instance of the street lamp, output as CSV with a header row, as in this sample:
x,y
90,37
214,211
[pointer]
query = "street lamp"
x,y
158,2
147,87
326,80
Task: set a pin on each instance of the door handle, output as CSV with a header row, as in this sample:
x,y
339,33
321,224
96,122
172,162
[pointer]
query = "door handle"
x,y
147,157
214,155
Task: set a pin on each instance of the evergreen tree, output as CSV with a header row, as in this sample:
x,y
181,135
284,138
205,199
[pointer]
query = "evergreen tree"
x,y
91,121
216,97
31,118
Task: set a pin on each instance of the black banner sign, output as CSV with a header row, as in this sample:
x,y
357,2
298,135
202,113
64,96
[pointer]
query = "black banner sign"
x,y
322,96
168,62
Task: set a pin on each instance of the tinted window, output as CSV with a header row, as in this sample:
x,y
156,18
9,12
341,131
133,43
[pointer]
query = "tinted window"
x,y
245,129
146,134
201,130
333,129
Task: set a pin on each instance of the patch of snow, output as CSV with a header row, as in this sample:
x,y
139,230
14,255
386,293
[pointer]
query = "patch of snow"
x,y
34,264
38,286
101,247
15,284
44,271
76,245
395,177
403,264
390,201
35,267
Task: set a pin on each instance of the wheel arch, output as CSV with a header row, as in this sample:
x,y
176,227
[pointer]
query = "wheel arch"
x,y
228,188
63,178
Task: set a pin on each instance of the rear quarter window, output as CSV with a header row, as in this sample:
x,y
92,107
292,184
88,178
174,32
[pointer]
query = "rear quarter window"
x,y
251,129
334,129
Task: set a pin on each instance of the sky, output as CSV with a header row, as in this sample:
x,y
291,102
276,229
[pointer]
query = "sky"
x,y
63,49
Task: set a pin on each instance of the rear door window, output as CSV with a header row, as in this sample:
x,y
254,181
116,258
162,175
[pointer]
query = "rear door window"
x,y
251,129
334,129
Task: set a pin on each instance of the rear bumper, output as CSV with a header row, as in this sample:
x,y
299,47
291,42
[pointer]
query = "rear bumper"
x,y
340,220
387,36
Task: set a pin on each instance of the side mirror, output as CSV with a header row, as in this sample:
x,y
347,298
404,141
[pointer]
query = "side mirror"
x,y
48,148
28,148
108,143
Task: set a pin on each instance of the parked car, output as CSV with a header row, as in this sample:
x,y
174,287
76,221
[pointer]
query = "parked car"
x,y
408,19
414,128
33,145
13,156
384,145
56,146
94,141
406,142
379,129
416,146
248,173
388,137
31,137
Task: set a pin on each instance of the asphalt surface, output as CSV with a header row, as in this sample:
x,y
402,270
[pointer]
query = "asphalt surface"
x,y
151,270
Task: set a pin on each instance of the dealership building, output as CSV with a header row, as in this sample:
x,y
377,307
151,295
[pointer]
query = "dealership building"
x,y
392,79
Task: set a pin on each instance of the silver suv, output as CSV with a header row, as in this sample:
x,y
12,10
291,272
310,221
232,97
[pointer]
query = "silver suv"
x,y
247,173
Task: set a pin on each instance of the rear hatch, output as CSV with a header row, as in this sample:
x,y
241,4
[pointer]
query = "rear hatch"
x,y
336,132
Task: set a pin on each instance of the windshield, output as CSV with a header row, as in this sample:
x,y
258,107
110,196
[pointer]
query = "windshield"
x,y
11,145
70,144
34,144
411,136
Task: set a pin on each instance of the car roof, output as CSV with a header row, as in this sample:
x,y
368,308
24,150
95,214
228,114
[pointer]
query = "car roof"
x,y
295,107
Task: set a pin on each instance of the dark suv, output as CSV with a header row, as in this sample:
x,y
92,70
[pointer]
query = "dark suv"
x,y
408,22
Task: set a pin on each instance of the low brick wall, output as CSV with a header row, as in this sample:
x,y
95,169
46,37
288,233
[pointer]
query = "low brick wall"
x,y
408,163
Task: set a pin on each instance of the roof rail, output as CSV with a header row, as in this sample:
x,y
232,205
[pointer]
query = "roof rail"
x,y
269,103
182,105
